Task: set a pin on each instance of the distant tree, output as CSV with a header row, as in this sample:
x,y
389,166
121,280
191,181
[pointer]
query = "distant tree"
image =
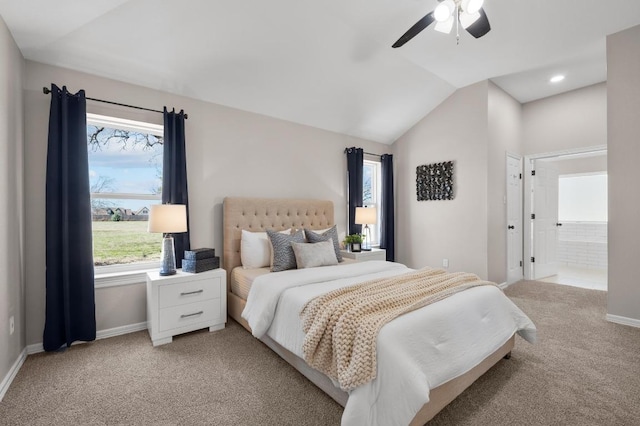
x,y
116,217
102,184
99,137
156,190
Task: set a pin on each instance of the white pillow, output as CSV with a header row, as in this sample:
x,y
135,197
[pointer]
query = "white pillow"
x,y
309,255
255,249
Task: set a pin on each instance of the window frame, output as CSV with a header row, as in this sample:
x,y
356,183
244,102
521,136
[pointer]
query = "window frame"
x,y
125,273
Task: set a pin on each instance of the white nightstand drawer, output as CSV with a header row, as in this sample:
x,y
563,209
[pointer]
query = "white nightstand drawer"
x,y
186,315
188,292
185,302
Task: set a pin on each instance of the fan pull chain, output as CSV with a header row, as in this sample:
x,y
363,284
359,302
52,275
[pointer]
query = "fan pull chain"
x,y
457,25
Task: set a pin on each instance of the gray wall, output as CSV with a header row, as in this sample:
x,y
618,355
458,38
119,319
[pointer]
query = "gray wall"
x,y
583,165
505,136
11,201
229,153
430,231
570,120
623,105
476,127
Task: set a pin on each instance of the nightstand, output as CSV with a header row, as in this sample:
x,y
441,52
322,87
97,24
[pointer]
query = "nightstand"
x,y
185,302
374,254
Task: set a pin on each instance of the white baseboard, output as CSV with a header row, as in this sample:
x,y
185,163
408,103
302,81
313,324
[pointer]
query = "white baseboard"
x,y
6,382
100,334
118,331
632,322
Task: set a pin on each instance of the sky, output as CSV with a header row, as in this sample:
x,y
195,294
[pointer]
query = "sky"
x,y
132,170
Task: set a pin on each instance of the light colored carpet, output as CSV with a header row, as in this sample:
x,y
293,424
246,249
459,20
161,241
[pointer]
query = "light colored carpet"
x,y
583,371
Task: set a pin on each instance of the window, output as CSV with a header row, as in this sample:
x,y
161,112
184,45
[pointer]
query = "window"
x,y
583,198
372,194
125,174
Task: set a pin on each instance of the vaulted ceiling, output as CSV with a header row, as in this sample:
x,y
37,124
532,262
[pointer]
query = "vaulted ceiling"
x,y
327,64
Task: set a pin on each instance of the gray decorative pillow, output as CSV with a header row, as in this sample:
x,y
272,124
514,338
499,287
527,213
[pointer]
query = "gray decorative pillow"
x,y
331,233
311,255
281,250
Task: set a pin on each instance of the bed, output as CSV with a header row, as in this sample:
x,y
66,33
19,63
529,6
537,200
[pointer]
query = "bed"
x,y
282,333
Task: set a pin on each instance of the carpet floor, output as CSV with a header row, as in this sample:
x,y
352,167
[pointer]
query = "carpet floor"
x,y
583,371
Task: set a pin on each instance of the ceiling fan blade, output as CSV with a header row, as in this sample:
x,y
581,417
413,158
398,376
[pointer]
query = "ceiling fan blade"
x,y
481,26
415,30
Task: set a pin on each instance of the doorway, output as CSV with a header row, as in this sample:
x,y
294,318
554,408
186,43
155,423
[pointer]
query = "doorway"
x,y
566,218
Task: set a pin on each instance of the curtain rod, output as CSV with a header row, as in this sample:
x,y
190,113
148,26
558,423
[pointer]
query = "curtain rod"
x,y
367,153
46,91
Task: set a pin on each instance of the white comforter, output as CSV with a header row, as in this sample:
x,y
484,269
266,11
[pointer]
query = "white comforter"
x,y
416,352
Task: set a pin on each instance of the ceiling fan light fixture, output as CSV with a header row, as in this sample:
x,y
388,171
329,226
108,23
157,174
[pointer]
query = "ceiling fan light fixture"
x,y
444,11
445,26
467,19
472,6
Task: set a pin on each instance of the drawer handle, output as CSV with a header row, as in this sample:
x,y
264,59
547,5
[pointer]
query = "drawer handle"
x,y
186,293
191,315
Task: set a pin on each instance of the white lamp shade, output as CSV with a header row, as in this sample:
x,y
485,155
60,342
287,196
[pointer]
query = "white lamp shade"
x,y
445,26
466,19
444,10
472,6
366,215
168,218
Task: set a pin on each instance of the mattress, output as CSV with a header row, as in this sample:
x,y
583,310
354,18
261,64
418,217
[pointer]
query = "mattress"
x,y
241,279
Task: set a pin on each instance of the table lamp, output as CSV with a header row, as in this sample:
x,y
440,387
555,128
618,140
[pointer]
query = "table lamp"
x,y
168,219
366,216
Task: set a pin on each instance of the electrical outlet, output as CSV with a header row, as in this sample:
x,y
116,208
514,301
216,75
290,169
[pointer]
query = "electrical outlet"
x,y
12,325
445,263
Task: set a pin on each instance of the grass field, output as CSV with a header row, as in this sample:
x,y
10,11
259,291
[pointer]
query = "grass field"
x,y
124,242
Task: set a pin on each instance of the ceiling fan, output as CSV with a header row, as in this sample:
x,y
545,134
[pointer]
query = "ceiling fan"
x,y
466,13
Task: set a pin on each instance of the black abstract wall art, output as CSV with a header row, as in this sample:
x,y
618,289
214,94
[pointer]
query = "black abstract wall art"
x,y
435,181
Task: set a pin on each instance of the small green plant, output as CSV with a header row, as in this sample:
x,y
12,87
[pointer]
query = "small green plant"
x,y
116,217
353,238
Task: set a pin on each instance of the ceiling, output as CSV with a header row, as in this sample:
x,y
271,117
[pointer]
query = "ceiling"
x,y
327,64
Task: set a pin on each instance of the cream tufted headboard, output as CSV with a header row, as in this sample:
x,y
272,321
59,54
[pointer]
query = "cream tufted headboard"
x,y
260,214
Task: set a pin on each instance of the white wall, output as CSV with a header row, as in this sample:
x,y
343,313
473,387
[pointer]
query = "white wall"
x,y
430,231
583,165
476,127
623,64
505,136
574,119
229,153
11,201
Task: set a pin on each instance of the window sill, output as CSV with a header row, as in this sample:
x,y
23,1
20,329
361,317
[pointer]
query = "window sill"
x,y
118,279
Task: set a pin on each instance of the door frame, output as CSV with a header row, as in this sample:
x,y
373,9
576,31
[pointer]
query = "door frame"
x,y
506,204
527,223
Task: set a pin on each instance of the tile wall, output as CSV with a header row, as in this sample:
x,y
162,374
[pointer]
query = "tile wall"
x,y
583,244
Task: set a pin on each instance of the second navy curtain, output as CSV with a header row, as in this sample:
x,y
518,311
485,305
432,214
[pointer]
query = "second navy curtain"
x,y
355,164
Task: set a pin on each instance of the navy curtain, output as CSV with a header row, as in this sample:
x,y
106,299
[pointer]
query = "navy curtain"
x,y
387,239
355,162
70,301
174,174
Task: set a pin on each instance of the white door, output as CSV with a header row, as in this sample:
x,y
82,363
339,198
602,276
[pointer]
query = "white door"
x,y
514,219
545,208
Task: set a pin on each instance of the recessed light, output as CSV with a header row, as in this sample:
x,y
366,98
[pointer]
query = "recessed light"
x,y
556,78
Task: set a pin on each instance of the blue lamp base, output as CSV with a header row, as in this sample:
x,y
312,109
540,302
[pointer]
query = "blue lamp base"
x,y
168,257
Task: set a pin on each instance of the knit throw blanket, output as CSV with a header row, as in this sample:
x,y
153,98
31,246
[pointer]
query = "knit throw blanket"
x,y
342,326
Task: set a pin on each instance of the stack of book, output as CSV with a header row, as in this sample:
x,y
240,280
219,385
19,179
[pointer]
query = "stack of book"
x,y
200,260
